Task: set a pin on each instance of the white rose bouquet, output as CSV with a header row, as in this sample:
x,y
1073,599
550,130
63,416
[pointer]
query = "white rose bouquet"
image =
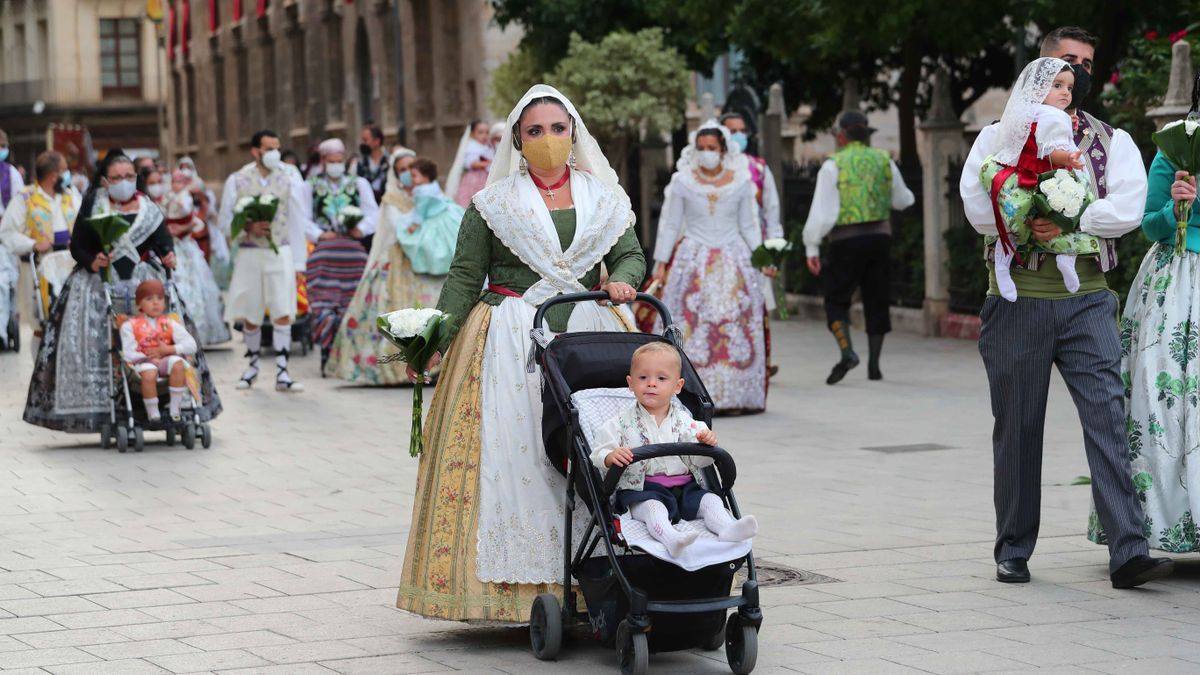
x,y
348,219
417,332
1061,197
1180,145
773,253
253,209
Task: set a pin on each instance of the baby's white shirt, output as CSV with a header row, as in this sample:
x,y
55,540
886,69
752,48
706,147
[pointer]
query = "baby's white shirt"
x,y
1054,131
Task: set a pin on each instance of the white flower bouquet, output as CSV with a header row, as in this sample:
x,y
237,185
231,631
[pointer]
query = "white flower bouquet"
x,y
1061,197
773,253
417,332
348,219
1180,145
254,209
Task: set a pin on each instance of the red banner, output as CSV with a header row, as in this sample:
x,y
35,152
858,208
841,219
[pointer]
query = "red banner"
x,y
213,19
171,33
237,10
262,9
185,33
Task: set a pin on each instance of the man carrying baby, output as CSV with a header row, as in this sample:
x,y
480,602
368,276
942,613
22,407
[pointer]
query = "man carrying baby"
x,y
1047,325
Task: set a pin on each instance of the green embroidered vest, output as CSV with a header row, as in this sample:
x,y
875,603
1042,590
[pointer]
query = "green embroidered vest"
x,y
864,184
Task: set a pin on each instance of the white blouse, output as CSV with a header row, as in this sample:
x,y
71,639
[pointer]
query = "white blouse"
x,y
717,217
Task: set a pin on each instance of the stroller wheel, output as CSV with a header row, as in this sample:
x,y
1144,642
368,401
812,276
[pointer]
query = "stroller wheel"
x,y
717,640
122,439
106,438
633,652
139,441
741,646
170,435
545,627
189,436
205,435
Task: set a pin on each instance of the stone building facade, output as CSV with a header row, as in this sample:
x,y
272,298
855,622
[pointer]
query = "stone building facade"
x,y
93,63
313,69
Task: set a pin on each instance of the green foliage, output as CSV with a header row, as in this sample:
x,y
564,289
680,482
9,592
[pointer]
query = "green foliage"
x,y
625,84
512,79
1141,82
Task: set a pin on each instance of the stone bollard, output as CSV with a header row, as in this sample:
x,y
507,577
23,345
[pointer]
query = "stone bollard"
x,y
1178,101
942,133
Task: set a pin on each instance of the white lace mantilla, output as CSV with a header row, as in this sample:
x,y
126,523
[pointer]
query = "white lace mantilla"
x,y
517,215
148,218
1029,91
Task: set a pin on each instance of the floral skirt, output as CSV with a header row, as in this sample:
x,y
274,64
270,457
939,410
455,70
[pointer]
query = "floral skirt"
x,y
1160,364
388,284
334,270
439,578
714,295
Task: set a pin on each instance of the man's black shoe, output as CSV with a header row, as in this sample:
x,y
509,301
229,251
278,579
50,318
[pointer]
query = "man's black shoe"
x,y
841,368
1141,569
1013,571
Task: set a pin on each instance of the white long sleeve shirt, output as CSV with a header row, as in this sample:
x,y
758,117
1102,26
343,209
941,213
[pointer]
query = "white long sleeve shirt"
x,y
185,344
730,220
1119,213
827,203
298,215
624,430
13,234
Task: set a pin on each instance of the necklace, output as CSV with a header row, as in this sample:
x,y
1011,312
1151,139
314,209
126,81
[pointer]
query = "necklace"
x,y
549,189
702,177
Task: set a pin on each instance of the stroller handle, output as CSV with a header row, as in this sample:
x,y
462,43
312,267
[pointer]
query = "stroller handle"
x,y
722,461
591,296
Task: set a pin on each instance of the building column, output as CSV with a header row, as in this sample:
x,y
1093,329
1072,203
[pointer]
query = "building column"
x,y
943,143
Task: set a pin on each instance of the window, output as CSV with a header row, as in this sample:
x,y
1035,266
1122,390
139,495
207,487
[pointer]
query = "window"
x,y
120,57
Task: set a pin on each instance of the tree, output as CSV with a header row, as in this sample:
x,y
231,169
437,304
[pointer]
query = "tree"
x,y
624,86
513,78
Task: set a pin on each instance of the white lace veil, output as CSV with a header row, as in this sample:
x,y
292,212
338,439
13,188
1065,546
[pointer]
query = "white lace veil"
x,y
1029,91
394,191
588,156
733,158
454,175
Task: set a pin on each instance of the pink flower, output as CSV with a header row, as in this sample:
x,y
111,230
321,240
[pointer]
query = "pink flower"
x,y
1152,35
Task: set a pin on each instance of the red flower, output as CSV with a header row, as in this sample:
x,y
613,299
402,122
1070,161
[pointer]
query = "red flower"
x,y
357,358
352,323
372,360
1152,35
1177,36
1115,77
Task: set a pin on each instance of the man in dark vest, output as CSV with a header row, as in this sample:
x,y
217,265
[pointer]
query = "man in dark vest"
x,y
1047,326
857,188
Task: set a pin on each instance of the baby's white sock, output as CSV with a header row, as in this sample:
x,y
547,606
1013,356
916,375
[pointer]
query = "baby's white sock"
x,y
1066,265
1004,282
654,515
151,408
721,523
177,400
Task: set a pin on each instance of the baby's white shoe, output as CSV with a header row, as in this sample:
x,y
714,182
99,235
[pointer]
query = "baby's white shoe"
x,y
1004,282
1066,265
739,530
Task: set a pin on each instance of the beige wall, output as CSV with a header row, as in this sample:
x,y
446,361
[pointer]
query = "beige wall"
x,y
69,66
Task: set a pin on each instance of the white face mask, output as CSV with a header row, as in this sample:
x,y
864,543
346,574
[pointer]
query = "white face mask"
x,y
157,190
336,171
271,159
708,159
122,190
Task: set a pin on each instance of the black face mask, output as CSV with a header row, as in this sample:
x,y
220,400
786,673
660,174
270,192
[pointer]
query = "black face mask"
x,y
61,184
364,150
1083,84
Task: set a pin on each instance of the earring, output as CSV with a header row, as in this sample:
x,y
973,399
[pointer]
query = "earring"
x,y
523,166
571,160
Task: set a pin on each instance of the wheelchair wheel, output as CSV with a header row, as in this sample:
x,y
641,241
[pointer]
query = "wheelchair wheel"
x,y
189,436
633,651
545,627
122,439
106,436
205,435
170,435
139,440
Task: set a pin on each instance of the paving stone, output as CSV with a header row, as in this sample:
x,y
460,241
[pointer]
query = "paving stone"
x,y
139,649
120,667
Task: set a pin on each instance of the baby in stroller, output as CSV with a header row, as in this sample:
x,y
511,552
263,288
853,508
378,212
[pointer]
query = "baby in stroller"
x,y
659,492
154,346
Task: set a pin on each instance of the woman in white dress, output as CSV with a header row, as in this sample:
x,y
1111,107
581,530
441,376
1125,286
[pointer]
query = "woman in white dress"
x,y
712,290
193,277
487,523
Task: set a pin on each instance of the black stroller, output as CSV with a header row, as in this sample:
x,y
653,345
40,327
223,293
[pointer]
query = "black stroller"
x,y
634,601
128,421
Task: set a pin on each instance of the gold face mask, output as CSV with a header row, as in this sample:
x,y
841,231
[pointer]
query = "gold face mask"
x,y
547,152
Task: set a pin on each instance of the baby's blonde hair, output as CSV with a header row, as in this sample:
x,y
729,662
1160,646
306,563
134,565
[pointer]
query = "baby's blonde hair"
x,y
658,348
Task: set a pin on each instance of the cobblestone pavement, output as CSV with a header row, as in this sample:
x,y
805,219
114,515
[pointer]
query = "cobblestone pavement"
x,y
278,549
